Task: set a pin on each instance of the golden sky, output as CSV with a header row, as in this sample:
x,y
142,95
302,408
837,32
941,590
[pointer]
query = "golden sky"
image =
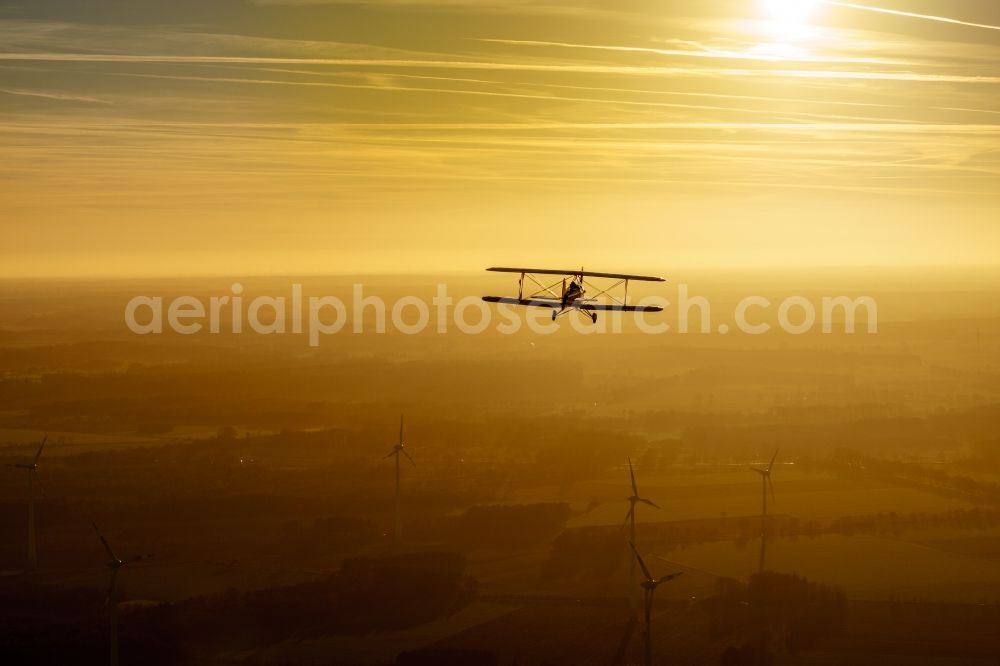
x,y
304,136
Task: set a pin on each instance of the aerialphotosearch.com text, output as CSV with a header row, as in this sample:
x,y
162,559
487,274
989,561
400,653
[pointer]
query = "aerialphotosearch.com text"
x,y
322,316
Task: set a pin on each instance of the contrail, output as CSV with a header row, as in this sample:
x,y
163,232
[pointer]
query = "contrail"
x,y
730,55
756,98
52,95
926,17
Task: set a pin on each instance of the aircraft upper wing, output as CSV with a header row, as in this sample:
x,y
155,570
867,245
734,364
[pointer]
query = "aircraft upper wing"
x,y
553,271
536,302
620,308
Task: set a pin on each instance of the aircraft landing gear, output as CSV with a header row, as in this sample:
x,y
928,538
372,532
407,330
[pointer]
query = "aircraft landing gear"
x,y
554,315
593,317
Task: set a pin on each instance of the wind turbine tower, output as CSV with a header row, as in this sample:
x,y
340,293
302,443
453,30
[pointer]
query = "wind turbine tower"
x,y
765,483
115,564
649,586
397,451
32,469
634,499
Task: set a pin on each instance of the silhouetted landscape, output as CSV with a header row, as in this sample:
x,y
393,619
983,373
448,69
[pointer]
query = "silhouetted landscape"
x,y
249,471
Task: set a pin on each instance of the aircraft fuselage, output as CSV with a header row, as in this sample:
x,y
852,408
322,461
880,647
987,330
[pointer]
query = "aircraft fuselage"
x,y
572,293
571,297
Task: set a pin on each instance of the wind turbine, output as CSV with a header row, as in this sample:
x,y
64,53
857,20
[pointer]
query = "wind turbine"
x,y
765,482
630,520
115,564
396,451
32,468
649,588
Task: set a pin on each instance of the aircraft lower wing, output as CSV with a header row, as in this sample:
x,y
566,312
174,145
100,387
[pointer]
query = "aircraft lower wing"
x,y
620,308
532,302
557,305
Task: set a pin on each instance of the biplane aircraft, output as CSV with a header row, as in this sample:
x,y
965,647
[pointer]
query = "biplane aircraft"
x,y
573,297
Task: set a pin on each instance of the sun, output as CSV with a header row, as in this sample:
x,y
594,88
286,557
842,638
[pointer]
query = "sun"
x,y
791,12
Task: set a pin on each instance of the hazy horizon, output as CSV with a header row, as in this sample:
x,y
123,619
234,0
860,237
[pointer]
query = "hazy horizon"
x,y
673,273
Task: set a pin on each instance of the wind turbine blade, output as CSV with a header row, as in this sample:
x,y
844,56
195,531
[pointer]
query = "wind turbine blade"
x,y
628,514
107,547
759,471
619,657
40,447
688,567
635,490
408,457
773,458
652,504
668,577
389,455
642,565
400,428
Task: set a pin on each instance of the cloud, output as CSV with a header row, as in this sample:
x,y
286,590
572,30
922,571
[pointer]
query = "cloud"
x,y
573,9
632,70
208,124
385,82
